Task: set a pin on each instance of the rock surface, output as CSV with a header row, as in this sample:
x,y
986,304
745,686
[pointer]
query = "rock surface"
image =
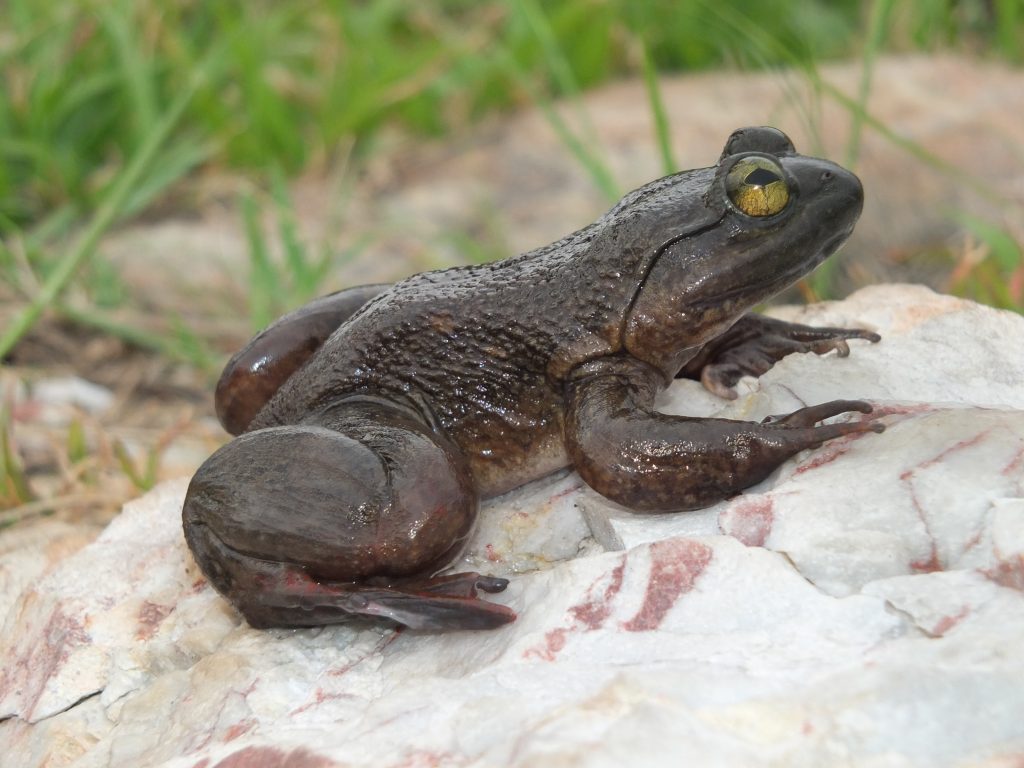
x,y
863,606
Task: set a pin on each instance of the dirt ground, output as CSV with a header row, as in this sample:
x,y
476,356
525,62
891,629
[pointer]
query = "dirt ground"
x,y
93,421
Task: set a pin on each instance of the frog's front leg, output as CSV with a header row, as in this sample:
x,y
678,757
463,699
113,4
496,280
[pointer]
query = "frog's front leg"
x,y
347,515
257,371
755,343
655,462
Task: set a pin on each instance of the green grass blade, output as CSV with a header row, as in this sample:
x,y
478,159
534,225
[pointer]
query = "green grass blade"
x,y
182,346
171,166
127,465
301,273
56,224
108,212
1002,246
13,483
76,445
192,348
583,147
878,22
1009,28
553,56
135,68
662,130
262,276
598,170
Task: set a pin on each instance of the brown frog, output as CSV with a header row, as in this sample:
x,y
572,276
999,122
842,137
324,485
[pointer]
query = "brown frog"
x,y
372,421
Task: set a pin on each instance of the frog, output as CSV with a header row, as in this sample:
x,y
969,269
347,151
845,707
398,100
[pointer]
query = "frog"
x,y
369,424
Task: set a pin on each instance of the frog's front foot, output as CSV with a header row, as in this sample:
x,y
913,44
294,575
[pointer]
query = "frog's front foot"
x,y
652,461
755,343
806,418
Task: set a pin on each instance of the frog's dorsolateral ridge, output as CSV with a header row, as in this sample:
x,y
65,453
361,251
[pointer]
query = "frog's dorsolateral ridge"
x,y
371,421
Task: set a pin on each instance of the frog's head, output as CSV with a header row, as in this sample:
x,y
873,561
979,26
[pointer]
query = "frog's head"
x,y
771,216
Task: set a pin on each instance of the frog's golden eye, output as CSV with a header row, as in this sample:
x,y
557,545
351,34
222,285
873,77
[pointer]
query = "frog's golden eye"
x,y
757,187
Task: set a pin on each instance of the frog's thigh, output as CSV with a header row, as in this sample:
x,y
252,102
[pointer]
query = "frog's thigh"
x,y
259,369
367,498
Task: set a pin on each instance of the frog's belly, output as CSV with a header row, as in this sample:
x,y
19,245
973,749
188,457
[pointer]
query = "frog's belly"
x,y
496,477
503,456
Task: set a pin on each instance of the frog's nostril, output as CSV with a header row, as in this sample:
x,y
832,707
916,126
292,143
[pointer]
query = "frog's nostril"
x,y
826,175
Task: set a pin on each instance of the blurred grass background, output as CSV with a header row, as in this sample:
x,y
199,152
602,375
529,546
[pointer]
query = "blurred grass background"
x,y
109,107
112,110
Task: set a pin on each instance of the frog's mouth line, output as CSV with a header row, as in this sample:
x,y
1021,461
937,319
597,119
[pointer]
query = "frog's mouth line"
x,y
834,243
781,280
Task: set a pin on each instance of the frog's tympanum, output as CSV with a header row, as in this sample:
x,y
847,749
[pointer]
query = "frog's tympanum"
x,y
372,421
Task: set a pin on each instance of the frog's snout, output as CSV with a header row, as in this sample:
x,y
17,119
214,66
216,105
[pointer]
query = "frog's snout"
x,y
844,188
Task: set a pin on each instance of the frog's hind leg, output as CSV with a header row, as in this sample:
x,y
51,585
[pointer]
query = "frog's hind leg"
x,y
308,525
258,370
755,343
271,594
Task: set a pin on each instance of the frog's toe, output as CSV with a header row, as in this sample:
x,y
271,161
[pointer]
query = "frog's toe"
x,y
800,430
757,357
841,348
434,603
427,611
825,432
492,584
776,330
812,414
452,584
721,379
804,420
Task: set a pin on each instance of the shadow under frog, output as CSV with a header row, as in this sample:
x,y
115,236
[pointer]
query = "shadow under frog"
x,y
371,421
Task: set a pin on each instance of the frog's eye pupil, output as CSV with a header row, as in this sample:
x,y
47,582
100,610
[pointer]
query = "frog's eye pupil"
x,y
762,177
757,187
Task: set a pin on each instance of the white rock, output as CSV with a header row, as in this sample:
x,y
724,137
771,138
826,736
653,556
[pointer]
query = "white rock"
x,y
861,607
74,390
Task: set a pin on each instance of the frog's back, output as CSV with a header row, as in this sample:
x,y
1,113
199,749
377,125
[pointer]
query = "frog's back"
x,y
484,348
472,347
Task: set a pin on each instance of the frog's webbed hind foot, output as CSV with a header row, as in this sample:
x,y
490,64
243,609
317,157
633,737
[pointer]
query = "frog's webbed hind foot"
x,y
456,584
273,594
755,343
432,607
